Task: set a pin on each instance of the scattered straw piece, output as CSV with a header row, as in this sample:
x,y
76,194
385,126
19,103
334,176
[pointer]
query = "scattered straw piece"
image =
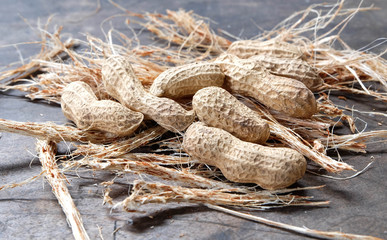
x,y
304,231
47,150
145,192
119,148
54,132
13,185
183,176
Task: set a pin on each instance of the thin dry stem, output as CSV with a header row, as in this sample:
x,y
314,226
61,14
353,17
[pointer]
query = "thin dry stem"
x,y
158,159
13,185
182,176
145,192
47,150
48,53
293,140
54,132
301,230
119,148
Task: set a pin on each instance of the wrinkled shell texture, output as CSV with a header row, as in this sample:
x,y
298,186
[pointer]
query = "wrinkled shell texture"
x,y
121,83
249,48
244,162
216,107
185,80
80,105
285,95
287,67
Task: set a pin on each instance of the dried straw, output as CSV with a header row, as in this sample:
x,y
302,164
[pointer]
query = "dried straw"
x,y
300,230
54,132
183,176
187,37
47,150
119,148
145,192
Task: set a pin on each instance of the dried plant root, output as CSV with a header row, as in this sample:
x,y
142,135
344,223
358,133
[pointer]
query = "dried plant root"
x,y
47,150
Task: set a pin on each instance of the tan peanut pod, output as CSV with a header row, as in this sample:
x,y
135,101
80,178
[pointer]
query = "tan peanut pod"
x,y
121,83
186,80
244,162
80,105
216,107
291,68
285,95
279,49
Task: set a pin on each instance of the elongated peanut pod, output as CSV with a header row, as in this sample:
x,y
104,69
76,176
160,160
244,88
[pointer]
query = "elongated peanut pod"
x,y
186,80
244,162
80,105
291,68
285,95
218,108
279,49
122,84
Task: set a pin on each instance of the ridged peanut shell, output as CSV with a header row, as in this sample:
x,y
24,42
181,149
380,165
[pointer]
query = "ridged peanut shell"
x,y
216,107
285,95
244,162
279,49
80,105
121,83
291,68
186,80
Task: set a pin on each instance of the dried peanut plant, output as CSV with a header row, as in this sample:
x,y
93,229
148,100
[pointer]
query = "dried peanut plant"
x,y
263,106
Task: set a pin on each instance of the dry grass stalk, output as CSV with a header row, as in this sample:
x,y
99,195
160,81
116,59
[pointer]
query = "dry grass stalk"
x,y
54,132
47,150
187,30
291,139
182,176
13,185
300,230
52,46
335,66
158,159
294,141
352,142
119,148
145,192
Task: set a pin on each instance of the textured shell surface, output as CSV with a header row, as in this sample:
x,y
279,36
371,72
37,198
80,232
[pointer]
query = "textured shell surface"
x,y
244,162
185,80
282,94
216,107
80,105
291,68
121,83
273,47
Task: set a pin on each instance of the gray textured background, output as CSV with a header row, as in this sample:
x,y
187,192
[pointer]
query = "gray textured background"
x,y
32,212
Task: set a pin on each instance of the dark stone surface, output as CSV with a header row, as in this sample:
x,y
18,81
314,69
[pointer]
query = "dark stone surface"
x,y
357,206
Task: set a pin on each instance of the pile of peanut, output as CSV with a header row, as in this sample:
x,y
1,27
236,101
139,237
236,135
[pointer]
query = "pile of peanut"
x,y
228,134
